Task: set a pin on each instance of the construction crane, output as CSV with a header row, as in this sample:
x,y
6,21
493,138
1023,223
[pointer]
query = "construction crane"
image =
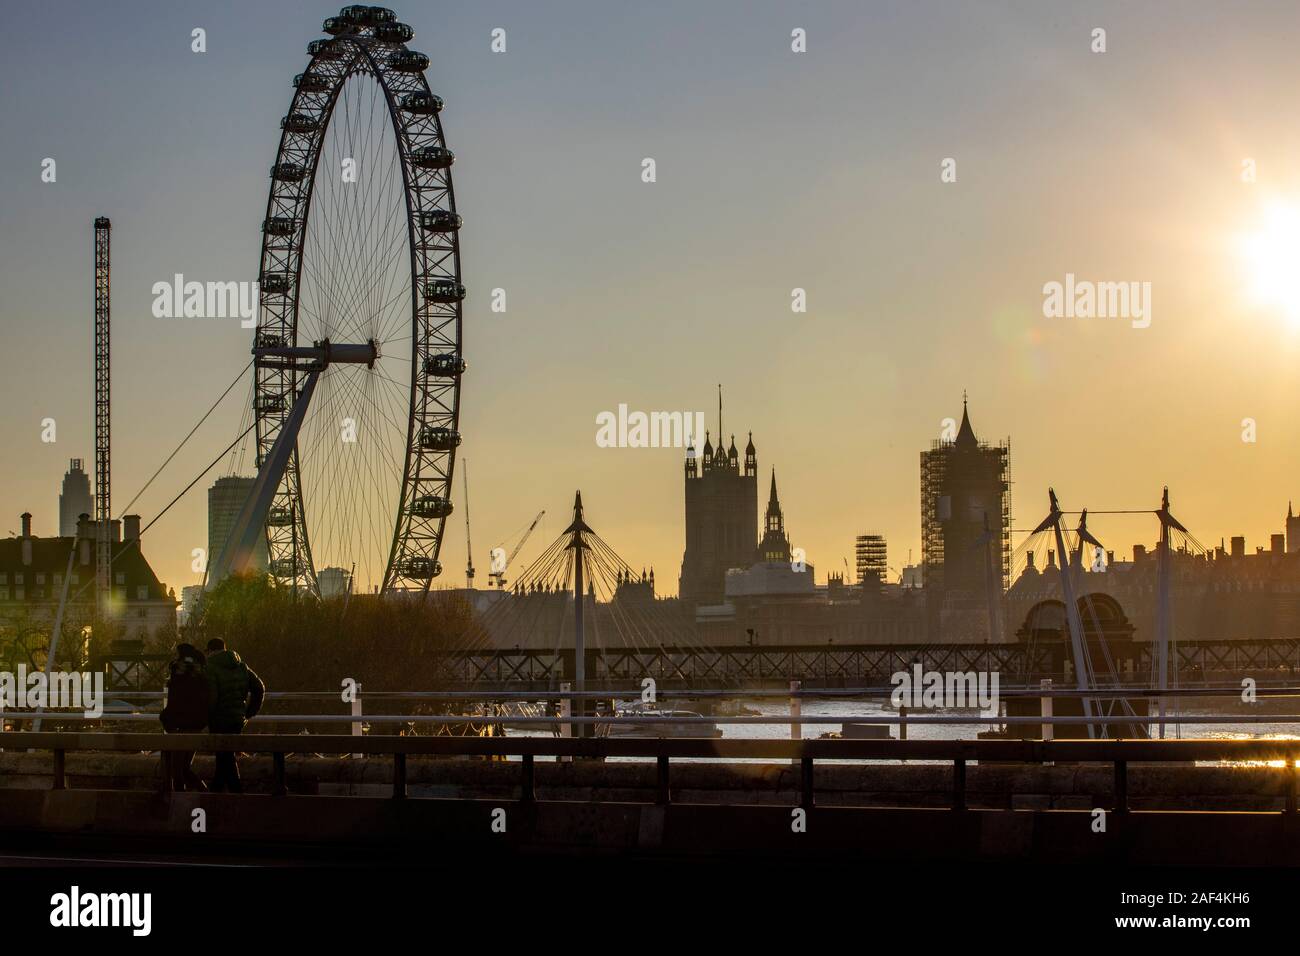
x,y
498,577
469,549
103,515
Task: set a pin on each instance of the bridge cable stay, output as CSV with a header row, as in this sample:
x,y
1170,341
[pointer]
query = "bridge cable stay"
x,y
1172,532
1084,536
1175,539
623,612
184,440
197,478
1070,547
1078,644
1036,545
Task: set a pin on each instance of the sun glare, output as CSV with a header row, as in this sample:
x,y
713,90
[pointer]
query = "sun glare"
x,y
1270,256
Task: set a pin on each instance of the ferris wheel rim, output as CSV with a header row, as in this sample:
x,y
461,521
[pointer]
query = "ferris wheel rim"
x,y
436,292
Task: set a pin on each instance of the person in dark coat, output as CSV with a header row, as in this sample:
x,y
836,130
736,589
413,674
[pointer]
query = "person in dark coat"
x,y
235,697
186,712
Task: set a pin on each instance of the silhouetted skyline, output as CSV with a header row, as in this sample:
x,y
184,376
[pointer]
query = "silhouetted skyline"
x,y
776,171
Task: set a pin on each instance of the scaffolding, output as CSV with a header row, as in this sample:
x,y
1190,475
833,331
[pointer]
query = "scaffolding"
x,y
946,471
872,558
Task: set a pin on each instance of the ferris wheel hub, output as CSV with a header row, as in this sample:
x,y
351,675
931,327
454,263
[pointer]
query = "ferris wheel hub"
x,y
323,354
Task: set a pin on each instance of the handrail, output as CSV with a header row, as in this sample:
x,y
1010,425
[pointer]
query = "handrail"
x,y
1018,751
909,719
803,754
1028,692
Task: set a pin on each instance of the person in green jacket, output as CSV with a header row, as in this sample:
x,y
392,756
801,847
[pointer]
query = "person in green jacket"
x,y
235,695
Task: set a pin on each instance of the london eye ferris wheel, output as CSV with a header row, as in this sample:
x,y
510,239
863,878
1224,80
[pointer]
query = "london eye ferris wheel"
x,y
358,358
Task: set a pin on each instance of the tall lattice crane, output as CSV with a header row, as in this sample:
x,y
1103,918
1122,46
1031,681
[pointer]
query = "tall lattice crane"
x,y
103,510
469,548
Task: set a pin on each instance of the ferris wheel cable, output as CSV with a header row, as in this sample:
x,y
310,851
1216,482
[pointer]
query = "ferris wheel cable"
x,y
372,246
337,539
236,460
353,261
352,479
91,583
196,480
187,438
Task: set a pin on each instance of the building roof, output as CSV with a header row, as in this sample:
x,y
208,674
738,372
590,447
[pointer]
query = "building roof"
x,y
50,557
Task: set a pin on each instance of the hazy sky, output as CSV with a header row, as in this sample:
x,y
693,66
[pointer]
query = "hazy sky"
x,y
776,170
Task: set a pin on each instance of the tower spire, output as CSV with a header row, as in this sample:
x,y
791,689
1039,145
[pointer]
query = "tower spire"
x,y
965,434
775,546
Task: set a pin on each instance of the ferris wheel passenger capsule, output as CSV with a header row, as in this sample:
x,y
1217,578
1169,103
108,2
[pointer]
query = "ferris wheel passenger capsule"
x,y
283,568
279,517
279,226
443,290
408,61
311,82
422,568
437,438
276,282
446,365
439,220
300,123
288,172
325,50
422,103
393,32
431,506
433,157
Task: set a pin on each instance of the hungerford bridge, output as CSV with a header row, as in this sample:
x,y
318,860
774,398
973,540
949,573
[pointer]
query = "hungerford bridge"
x,y
775,666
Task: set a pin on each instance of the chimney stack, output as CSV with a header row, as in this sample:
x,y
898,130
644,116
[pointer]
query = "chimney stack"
x,y
27,538
131,528
85,534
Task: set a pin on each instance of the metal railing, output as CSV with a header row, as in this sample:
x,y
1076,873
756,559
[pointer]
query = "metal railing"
x,y
776,664
1119,753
